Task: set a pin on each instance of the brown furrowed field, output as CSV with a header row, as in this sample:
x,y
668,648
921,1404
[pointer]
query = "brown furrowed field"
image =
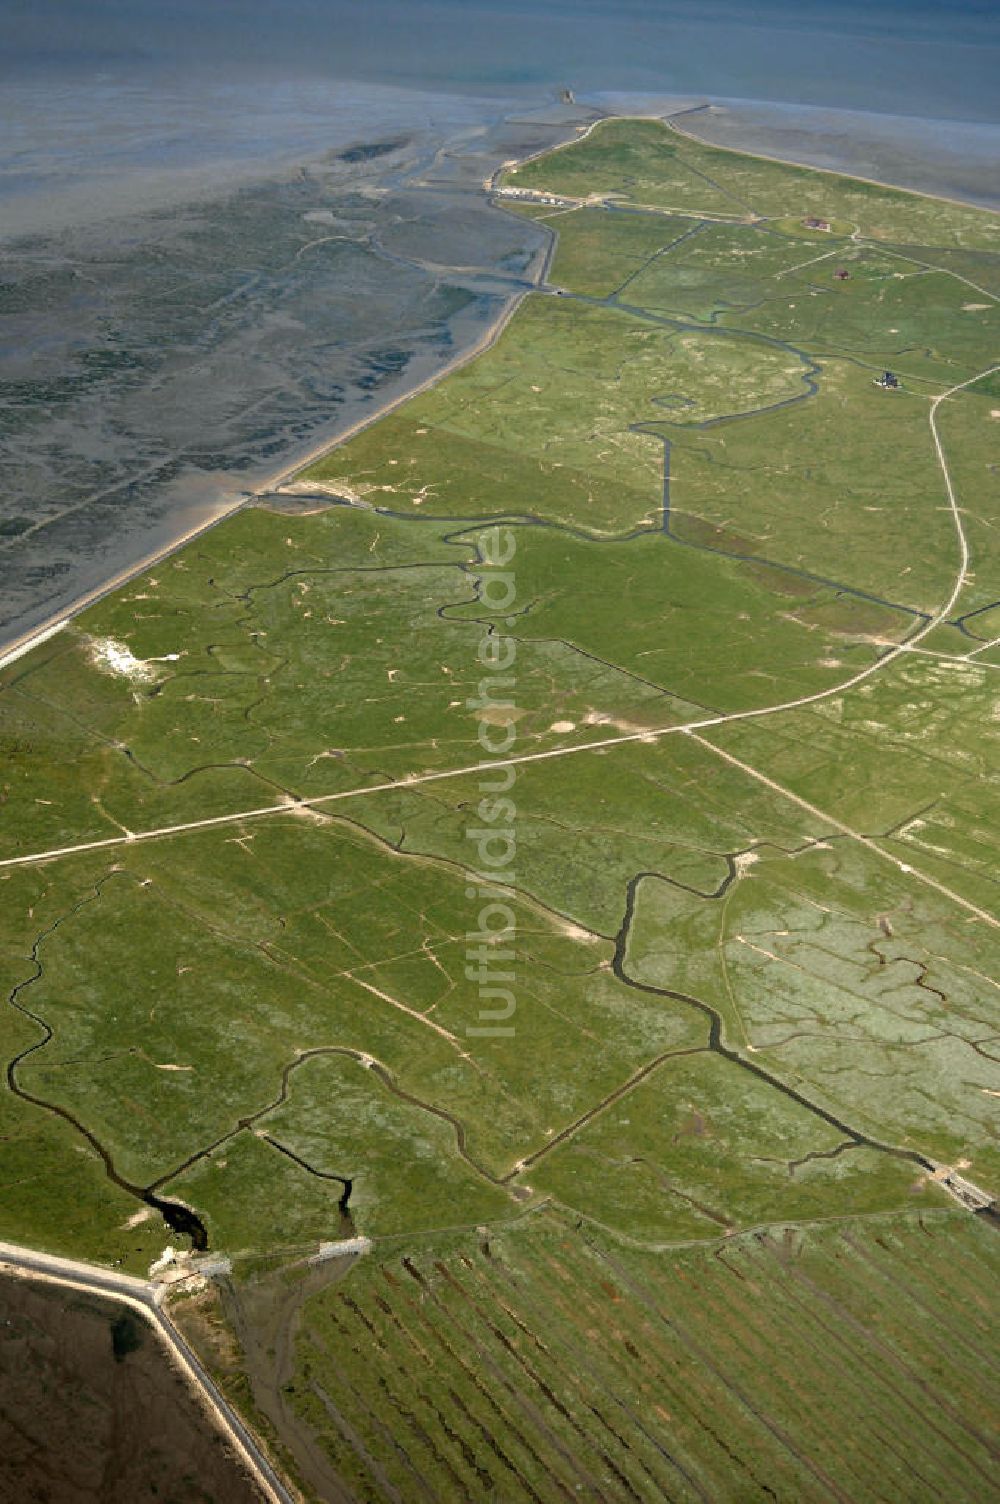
x,y
548,1362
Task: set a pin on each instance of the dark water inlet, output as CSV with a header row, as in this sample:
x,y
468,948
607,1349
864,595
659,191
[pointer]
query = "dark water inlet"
x,y
180,1219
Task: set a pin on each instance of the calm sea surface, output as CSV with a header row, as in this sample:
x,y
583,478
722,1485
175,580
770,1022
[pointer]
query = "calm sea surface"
x,y
905,57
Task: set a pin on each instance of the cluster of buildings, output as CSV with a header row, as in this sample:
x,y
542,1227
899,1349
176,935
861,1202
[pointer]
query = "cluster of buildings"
x,y
530,195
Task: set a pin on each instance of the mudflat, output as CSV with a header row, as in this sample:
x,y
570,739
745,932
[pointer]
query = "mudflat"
x,y
90,1409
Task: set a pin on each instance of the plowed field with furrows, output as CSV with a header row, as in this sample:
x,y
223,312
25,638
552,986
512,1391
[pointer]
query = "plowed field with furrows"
x,y
853,1362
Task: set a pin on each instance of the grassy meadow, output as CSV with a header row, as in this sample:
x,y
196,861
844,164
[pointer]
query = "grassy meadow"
x,y
680,1231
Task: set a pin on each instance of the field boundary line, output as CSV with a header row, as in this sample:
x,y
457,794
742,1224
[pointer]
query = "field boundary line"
x,y
855,835
652,734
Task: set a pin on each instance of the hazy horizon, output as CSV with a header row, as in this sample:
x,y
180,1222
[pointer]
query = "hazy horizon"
x,y
898,57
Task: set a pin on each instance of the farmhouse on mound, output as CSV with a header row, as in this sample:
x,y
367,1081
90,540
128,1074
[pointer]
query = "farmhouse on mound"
x,y
811,223
841,274
889,380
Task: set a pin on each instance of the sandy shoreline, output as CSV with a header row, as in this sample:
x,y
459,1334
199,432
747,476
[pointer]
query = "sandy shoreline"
x,y
835,172
10,652
15,648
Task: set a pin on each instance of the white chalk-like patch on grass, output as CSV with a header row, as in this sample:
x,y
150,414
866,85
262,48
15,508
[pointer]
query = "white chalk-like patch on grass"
x,y
114,657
